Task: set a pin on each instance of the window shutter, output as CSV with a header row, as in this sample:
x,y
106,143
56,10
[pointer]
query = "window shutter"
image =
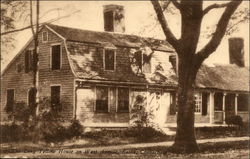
x,y
27,61
204,103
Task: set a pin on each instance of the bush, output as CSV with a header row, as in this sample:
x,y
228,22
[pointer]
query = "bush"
x,y
140,117
75,129
12,133
235,120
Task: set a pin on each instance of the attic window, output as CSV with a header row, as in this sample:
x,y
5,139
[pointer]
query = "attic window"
x,y
109,59
56,57
109,21
45,36
28,60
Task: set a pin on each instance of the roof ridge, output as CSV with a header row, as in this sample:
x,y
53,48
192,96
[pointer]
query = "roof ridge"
x,y
114,33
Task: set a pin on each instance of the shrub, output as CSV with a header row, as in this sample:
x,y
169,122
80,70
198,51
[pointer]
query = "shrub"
x,y
75,129
140,117
12,133
235,120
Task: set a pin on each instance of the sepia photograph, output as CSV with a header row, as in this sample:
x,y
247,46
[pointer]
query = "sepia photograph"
x,y
156,79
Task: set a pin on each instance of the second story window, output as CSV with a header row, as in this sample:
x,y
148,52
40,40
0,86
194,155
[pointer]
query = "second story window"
x,y
28,61
56,57
143,62
109,59
45,36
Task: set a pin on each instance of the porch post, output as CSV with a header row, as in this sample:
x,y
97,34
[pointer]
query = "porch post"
x,y
236,104
223,108
211,107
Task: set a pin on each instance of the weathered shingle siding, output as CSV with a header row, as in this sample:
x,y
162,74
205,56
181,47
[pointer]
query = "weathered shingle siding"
x,y
63,77
21,82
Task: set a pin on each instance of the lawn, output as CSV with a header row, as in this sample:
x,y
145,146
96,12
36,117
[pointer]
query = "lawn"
x,y
234,150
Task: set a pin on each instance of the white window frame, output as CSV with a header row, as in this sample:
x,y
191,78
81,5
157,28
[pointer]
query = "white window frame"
x,y
104,66
51,56
198,102
47,34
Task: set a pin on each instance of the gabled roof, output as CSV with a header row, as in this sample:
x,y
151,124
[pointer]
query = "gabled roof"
x,y
117,39
223,77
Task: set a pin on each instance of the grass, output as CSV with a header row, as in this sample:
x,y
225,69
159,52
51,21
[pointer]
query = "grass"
x,y
224,150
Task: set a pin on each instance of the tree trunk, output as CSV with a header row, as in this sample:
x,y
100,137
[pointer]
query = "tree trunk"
x,y
185,134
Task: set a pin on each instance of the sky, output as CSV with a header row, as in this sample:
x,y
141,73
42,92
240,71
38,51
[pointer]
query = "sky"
x,y
139,20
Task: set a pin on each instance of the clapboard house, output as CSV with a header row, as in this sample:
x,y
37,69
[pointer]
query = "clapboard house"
x,y
96,76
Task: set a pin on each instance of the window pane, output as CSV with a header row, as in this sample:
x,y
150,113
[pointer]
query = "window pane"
x,y
55,98
56,57
123,99
45,36
146,64
197,98
109,59
101,99
108,21
10,100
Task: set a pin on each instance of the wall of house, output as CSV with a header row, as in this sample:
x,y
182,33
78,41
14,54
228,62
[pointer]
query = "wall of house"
x,y
156,101
22,81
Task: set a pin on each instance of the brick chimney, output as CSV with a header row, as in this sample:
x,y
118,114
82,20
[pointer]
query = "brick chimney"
x,y
236,51
114,18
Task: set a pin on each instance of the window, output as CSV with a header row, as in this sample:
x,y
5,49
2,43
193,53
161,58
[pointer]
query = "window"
x,y
243,102
28,60
123,100
143,61
173,108
56,57
10,100
101,99
45,36
109,58
108,21
198,102
55,98
19,67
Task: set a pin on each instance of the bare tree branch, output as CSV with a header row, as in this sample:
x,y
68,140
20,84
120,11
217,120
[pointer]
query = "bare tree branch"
x,y
51,10
176,4
31,19
220,31
47,22
213,6
169,35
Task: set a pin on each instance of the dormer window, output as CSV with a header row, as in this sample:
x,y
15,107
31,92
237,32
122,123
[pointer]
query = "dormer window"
x,y
109,59
56,57
143,61
44,36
